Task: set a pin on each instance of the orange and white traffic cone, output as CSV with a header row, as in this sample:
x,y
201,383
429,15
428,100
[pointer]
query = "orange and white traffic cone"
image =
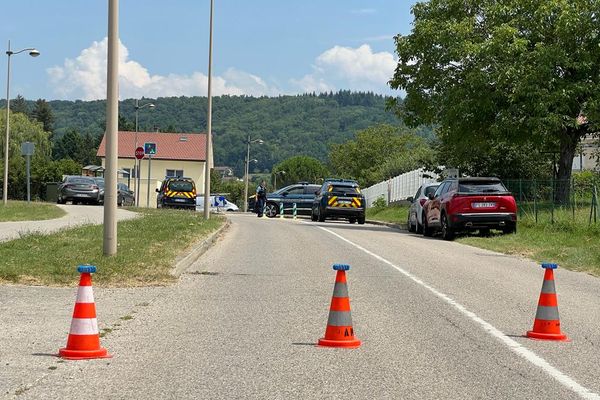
x,y
339,331
84,339
547,322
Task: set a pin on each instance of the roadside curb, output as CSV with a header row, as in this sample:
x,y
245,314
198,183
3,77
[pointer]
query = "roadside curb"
x,y
197,250
402,227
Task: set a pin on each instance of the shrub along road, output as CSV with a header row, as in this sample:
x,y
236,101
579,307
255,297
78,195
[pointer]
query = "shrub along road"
x,y
437,320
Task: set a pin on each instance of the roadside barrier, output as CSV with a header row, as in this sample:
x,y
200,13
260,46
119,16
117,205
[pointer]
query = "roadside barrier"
x,y
339,331
83,342
282,210
547,322
294,211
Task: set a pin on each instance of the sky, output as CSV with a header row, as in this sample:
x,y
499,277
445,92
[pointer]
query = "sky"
x,y
260,47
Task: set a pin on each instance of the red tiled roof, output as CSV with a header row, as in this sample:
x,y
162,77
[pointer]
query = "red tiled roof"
x,y
169,146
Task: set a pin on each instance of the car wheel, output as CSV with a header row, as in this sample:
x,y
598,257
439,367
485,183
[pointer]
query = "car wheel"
x,y
361,219
484,232
427,231
313,216
418,227
447,232
411,227
60,200
321,217
509,230
271,210
352,220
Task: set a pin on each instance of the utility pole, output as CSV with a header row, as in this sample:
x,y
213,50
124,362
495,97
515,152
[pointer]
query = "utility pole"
x,y
112,125
209,119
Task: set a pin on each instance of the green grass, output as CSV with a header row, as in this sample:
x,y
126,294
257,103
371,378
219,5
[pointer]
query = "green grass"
x,y
394,214
147,248
23,211
572,245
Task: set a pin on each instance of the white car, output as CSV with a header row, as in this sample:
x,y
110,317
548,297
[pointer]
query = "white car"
x,y
415,212
217,204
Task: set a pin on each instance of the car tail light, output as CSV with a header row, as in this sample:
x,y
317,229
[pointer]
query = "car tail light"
x,y
422,201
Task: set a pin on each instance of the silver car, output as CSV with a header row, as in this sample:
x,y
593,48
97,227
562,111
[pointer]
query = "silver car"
x,y
78,189
415,212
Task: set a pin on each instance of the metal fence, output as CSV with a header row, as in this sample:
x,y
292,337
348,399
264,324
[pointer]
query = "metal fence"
x,y
399,187
539,200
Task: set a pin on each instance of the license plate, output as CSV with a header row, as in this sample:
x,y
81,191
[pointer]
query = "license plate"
x,y
179,200
484,205
81,195
344,202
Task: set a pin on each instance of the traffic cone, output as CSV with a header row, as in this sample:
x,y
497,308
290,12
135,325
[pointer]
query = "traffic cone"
x,y
547,322
84,340
339,331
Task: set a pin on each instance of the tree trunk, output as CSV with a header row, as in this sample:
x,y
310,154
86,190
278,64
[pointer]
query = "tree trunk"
x,y
568,145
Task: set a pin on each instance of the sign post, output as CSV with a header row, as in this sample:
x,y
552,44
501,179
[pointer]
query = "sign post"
x,y
150,150
139,155
27,149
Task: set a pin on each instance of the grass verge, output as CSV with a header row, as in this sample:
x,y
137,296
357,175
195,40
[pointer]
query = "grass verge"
x,y
34,211
147,248
571,245
394,214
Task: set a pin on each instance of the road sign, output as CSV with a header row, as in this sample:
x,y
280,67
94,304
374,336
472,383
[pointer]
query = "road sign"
x,y
27,148
139,153
219,201
149,148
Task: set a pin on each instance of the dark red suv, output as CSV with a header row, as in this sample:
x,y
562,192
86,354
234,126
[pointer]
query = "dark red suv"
x,y
468,204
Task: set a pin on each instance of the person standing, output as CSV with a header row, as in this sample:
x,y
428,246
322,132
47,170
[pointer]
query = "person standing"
x,y
261,198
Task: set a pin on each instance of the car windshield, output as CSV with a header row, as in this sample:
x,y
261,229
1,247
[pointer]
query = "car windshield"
x,y
181,186
430,190
481,187
343,189
100,182
81,181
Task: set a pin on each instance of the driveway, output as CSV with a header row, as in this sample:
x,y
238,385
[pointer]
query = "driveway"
x,y
76,215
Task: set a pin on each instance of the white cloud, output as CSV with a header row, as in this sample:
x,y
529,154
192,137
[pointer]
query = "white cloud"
x,y
350,68
85,78
362,11
337,68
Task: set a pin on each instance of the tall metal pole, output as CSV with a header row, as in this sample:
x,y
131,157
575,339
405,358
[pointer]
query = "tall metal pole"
x,y
137,163
5,183
149,174
246,175
28,178
209,119
112,125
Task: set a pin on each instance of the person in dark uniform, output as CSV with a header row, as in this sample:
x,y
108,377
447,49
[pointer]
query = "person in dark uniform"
x,y
261,198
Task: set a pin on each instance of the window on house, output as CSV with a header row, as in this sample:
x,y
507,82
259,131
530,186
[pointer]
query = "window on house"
x,y
174,173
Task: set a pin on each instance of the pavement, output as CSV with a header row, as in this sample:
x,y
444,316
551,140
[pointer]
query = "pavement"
x,y
76,215
437,319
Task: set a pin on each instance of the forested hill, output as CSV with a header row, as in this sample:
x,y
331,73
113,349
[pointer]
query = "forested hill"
x,y
289,125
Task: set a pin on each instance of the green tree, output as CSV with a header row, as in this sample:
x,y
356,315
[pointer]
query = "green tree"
x,y
22,129
43,113
299,169
379,153
19,105
513,71
70,145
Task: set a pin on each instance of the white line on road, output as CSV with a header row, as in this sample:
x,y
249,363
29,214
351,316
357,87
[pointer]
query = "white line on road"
x,y
489,328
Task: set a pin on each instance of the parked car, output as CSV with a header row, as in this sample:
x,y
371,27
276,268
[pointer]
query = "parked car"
x,y
302,194
339,198
468,204
177,193
415,212
125,197
216,204
78,189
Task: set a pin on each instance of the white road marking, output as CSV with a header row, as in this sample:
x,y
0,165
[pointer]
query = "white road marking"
x,y
516,347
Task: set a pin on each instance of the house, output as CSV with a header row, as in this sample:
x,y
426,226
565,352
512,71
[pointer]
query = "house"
x,y
587,157
177,154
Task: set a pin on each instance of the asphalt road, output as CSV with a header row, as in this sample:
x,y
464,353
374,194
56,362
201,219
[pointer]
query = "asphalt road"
x,y
437,320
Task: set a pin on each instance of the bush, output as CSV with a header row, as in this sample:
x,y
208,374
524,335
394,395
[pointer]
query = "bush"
x,y
380,203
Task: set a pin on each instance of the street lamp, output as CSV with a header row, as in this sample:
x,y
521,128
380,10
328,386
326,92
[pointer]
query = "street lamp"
x,y
275,176
137,162
247,161
33,53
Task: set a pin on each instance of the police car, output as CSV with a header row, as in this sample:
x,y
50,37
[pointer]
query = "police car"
x,y
339,198
176,192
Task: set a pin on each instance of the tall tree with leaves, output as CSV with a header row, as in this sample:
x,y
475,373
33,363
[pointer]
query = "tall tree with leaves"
x,y
299,168
43,113
515,71
19,105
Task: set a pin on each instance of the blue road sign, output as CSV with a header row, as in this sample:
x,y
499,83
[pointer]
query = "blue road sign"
x,y
150,148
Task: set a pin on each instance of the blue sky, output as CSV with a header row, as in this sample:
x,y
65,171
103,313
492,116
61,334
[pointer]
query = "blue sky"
x,y
261,47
